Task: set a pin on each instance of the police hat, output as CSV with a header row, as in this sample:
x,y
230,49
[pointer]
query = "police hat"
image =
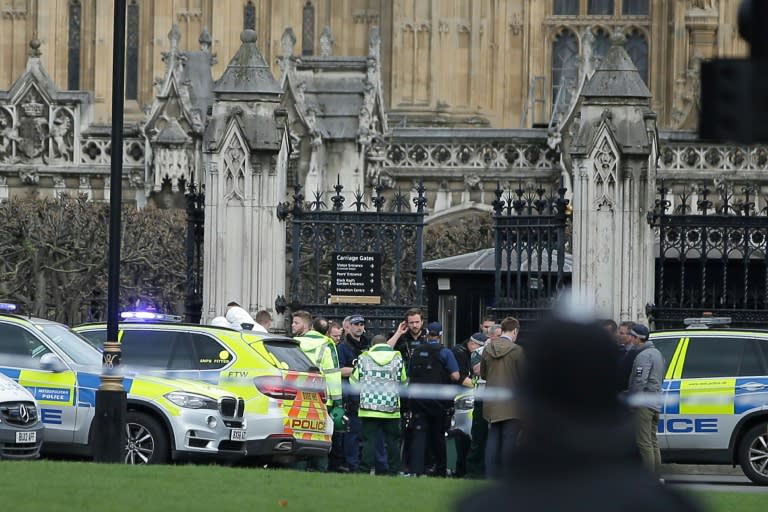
x,y
435,328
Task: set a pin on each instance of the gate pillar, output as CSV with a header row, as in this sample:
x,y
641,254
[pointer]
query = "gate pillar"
x,y
610,148
245,156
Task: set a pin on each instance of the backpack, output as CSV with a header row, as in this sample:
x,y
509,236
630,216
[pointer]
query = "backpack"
x,y
379,384
425,365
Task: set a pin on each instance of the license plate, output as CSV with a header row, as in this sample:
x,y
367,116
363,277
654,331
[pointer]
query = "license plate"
x,y
26,437
237,434
311,397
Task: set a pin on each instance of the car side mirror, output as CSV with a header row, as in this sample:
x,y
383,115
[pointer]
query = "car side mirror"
x,y
52,363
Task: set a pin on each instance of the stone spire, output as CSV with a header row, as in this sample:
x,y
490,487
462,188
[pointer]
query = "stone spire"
x,y
247,72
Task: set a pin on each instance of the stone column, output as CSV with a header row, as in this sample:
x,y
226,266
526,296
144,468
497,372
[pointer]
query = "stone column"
x,y
610,141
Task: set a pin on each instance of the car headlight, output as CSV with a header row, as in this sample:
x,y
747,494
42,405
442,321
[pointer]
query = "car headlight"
x,y
192,400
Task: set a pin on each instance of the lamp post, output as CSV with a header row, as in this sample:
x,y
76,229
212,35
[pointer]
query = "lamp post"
x,y
109,424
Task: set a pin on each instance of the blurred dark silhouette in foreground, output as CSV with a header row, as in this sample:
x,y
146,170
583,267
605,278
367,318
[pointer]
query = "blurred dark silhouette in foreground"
x,y
577,451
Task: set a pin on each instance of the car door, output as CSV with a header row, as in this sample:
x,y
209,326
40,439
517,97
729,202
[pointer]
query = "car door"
x,y
704,378
168,353
55,392
667,345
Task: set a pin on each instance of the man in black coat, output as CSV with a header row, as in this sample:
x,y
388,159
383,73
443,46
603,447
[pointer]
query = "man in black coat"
x,y
578,450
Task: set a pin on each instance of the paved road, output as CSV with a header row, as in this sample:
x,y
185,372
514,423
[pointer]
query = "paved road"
x,y
710,482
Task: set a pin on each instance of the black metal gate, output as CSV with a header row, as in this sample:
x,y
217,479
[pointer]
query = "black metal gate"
x,y
396,233
531,246
195,207
713,262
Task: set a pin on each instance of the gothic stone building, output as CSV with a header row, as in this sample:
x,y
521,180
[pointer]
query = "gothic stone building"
x,y
598,96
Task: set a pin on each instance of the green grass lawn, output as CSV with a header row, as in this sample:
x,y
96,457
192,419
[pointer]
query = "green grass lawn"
x,y
52,486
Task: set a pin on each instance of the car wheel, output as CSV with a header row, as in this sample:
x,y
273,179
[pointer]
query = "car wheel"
x,y
753,454
145,440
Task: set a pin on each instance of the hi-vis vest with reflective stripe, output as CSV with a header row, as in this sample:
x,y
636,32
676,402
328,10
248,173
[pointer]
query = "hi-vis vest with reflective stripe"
x,y
321,350
379,383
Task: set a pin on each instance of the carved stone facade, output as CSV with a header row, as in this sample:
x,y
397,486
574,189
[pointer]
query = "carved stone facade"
x,y
443,63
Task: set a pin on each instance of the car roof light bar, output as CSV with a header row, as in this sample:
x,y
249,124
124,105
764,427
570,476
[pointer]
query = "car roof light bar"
x,y
8,307
149,316
707,321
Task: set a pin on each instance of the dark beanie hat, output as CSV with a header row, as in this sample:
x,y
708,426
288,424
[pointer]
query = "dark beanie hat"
x,y
571,367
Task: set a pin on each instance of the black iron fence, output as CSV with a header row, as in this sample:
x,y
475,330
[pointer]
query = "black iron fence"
x,y
532,263
393,231
711,261
193,301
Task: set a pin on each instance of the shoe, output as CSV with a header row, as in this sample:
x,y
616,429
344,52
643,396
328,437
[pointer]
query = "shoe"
x,y
342,469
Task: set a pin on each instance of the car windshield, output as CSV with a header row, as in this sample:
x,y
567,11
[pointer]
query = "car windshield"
x,y
71,344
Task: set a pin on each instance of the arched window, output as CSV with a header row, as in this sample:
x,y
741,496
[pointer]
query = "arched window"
x,y
73,45
602,43
565,62
132,52
308,30
564,7
249,16
636,7
637,49
598,7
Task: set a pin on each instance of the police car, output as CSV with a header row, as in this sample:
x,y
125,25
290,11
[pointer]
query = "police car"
x,y
283,390
715,392
166,419
21,431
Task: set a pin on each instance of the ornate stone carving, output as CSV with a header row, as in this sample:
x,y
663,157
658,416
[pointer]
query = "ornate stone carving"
x,y
29,176
479,155
62,137
234,171
9,137
687,97
516,23
33,126
706,5
326,42
605,176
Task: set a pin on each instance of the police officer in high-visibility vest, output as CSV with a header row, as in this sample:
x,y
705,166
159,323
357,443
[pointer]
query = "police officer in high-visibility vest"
x,y
321,350
378,374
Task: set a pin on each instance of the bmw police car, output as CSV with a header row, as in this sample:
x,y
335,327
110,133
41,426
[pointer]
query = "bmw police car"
x,y
715,408
166,419
21,431
284,392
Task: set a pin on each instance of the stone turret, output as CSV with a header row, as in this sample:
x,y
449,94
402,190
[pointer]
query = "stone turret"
x,y
610,150
245,151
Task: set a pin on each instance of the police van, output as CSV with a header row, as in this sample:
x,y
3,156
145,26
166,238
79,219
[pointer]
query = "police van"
x,y
715,394
166,419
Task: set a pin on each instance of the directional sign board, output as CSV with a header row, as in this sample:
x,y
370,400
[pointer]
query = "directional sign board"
x,y
356,277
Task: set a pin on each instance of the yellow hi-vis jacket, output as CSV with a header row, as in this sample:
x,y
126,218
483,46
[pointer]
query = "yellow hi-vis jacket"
x,y
321,350
379,373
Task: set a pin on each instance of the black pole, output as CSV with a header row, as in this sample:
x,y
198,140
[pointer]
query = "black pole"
x,y
109,437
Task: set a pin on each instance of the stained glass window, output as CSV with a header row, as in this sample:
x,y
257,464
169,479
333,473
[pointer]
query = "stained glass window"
x,y
604,7
565,7
637,7
73,45
637,48
132,52
308,30
249,16
565,62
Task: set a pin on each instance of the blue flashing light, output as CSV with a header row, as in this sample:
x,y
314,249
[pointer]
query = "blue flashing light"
x,y
7,306
149,316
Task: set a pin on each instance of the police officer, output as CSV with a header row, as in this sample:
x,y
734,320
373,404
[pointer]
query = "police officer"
x,y
354,343
321,350
646,376
431,363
